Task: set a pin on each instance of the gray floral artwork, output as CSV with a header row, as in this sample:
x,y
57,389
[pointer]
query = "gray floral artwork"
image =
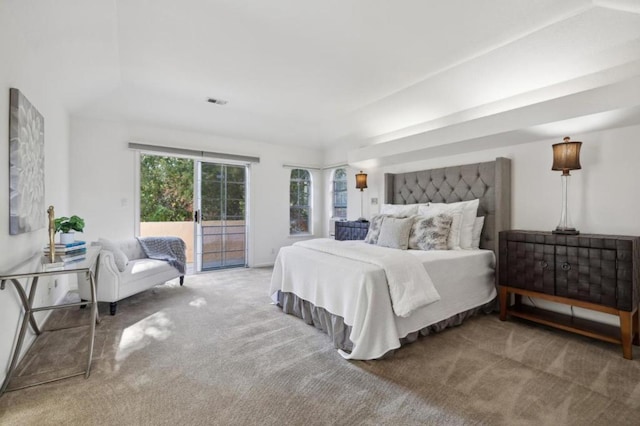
x,y
26,166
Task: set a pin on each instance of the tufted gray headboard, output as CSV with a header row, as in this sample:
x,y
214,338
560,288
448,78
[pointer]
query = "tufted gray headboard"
x,y
490,182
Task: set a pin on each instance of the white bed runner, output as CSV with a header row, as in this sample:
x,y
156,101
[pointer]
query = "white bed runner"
x,y
410,286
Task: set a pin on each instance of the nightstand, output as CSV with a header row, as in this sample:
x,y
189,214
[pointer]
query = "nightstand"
x,y
351,230
596,272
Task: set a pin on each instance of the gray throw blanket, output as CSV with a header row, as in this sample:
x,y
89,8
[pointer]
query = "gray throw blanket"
x,y
171,249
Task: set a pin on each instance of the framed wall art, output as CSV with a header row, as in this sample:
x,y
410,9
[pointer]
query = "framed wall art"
x,y
26,165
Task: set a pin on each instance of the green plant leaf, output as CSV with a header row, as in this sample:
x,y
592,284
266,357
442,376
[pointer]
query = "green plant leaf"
x,y
65,224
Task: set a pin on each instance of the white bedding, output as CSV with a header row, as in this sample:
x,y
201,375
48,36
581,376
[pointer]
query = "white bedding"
x,y
410,286
358,292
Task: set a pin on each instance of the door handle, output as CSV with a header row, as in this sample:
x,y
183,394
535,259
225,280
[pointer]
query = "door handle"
x,y
196,216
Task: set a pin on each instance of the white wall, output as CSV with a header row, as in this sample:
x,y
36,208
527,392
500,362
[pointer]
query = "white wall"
x,y
23,68
103,181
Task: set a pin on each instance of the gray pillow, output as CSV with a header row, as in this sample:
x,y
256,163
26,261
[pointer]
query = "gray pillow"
x,y
374,229
430,232
394,232
119,257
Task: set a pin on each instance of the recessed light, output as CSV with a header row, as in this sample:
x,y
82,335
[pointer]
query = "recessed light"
x,y
217,101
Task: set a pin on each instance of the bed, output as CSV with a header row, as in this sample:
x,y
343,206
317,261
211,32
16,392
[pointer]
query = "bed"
x,y
347,295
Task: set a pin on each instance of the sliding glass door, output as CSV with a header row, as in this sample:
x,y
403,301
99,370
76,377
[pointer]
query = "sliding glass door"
x,y
203,203
220,217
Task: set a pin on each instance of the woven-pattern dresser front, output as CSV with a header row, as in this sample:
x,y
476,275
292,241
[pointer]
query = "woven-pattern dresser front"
x,y
351,230
598,272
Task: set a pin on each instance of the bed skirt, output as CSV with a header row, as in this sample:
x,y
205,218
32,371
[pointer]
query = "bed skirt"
x,y
339,332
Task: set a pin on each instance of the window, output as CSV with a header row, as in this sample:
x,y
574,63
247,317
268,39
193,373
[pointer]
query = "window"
x,y
340,193
300,202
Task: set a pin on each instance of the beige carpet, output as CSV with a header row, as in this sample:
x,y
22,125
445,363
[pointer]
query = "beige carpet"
x,y
216,352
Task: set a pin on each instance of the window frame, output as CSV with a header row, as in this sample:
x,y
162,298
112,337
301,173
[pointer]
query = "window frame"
x,y
335,192
301,207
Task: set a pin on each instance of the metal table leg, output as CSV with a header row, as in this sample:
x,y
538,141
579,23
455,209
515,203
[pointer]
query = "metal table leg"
x,y
94,319
28,304
25,302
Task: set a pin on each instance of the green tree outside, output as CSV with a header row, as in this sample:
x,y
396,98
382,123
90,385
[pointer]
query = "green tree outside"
x,y
166,189
299,201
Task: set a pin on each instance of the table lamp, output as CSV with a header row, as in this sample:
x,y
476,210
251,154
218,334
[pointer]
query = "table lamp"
x,y
566,157
361,184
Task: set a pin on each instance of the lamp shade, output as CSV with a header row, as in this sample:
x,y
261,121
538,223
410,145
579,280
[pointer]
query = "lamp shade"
x,y
361,181
566,156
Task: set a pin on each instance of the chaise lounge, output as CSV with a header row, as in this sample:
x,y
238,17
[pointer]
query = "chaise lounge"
x,y
130,266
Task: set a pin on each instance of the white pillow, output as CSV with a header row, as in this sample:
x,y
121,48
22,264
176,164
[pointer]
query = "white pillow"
x,y
469,210
394,232
119,257
453,241
477,232
403,210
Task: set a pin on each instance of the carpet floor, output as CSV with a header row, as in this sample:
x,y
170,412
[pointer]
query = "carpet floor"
x,y
216,352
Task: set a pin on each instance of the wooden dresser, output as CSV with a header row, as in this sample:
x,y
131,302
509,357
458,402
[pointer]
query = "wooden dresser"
x,y
597,272
351,230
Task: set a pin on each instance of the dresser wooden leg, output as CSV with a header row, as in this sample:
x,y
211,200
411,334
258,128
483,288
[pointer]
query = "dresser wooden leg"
x,y
626,331
504,295
635,323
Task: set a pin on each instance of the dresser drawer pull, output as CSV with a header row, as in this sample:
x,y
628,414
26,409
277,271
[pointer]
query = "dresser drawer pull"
x,y
566,266
544,264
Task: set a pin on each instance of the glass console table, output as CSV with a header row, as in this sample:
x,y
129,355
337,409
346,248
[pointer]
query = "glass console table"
x,y
85,271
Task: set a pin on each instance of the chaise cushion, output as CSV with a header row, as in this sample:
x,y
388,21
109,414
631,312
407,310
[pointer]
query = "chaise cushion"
x,y
141,269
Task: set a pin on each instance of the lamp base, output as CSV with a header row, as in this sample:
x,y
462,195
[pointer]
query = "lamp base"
x,y
565,231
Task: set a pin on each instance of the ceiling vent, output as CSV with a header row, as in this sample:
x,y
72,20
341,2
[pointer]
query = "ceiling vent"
x,y
217,101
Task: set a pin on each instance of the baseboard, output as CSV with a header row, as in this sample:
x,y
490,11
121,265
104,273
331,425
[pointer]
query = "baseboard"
x,y
263,265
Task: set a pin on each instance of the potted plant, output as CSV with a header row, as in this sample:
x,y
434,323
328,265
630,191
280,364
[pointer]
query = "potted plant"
x,y
65,225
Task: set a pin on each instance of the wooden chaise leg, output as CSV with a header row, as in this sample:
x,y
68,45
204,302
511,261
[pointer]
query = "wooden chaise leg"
x,y
181,279
112,307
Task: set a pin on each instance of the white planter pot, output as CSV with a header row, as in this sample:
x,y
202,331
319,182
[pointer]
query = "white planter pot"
x,y
67,237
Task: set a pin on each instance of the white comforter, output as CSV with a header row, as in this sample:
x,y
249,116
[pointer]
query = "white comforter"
x,y
358,292
410,286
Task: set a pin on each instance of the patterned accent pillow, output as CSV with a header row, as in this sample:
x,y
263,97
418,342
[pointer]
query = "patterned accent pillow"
x,y
468,211
394,232
430,232
374,229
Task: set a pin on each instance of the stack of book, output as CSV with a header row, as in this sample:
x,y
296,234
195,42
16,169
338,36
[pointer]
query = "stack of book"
x,y
67,253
